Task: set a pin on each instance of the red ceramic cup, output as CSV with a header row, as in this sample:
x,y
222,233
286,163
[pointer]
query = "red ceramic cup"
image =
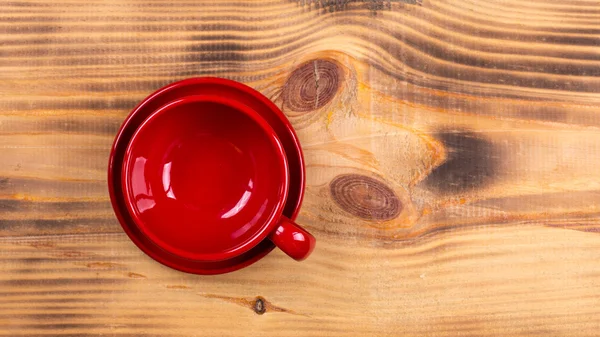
x,y
206,178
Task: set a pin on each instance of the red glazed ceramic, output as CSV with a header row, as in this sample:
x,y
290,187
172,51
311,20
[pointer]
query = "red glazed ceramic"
x,y
186,244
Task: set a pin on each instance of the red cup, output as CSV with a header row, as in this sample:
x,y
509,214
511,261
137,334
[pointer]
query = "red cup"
x,y
206,178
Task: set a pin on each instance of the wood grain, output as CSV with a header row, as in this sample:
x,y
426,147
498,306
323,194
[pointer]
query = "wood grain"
x,y
452,152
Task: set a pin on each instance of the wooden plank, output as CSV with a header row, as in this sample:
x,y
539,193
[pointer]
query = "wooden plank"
x,y
452,152
486,281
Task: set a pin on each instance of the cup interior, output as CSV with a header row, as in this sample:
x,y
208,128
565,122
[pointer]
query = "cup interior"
x,y
205,177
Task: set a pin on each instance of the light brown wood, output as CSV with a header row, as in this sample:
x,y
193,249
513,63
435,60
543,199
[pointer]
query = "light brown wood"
x,y
452,152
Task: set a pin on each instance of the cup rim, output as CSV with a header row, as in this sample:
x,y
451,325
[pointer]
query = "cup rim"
x,y
260,234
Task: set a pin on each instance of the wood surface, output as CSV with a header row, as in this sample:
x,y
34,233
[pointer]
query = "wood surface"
x,y
452,150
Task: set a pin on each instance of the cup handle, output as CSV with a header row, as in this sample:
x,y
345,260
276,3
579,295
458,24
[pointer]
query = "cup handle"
x,y
292,239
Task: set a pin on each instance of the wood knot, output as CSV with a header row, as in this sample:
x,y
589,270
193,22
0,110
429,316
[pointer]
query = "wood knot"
x,y
259,306
312,85
365,197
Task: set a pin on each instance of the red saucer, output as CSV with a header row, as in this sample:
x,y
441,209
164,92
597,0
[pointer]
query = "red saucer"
x,y
205,86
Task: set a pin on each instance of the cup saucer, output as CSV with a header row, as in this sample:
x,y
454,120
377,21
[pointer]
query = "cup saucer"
x,y
208,86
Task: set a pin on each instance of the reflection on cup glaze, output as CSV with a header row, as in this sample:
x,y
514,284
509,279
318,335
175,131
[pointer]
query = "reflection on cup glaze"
x,y
250,223
241,203
166,180
144,203
279,230
140,187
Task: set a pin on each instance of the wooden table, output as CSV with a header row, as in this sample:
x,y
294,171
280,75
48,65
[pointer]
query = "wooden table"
x,y
452,150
